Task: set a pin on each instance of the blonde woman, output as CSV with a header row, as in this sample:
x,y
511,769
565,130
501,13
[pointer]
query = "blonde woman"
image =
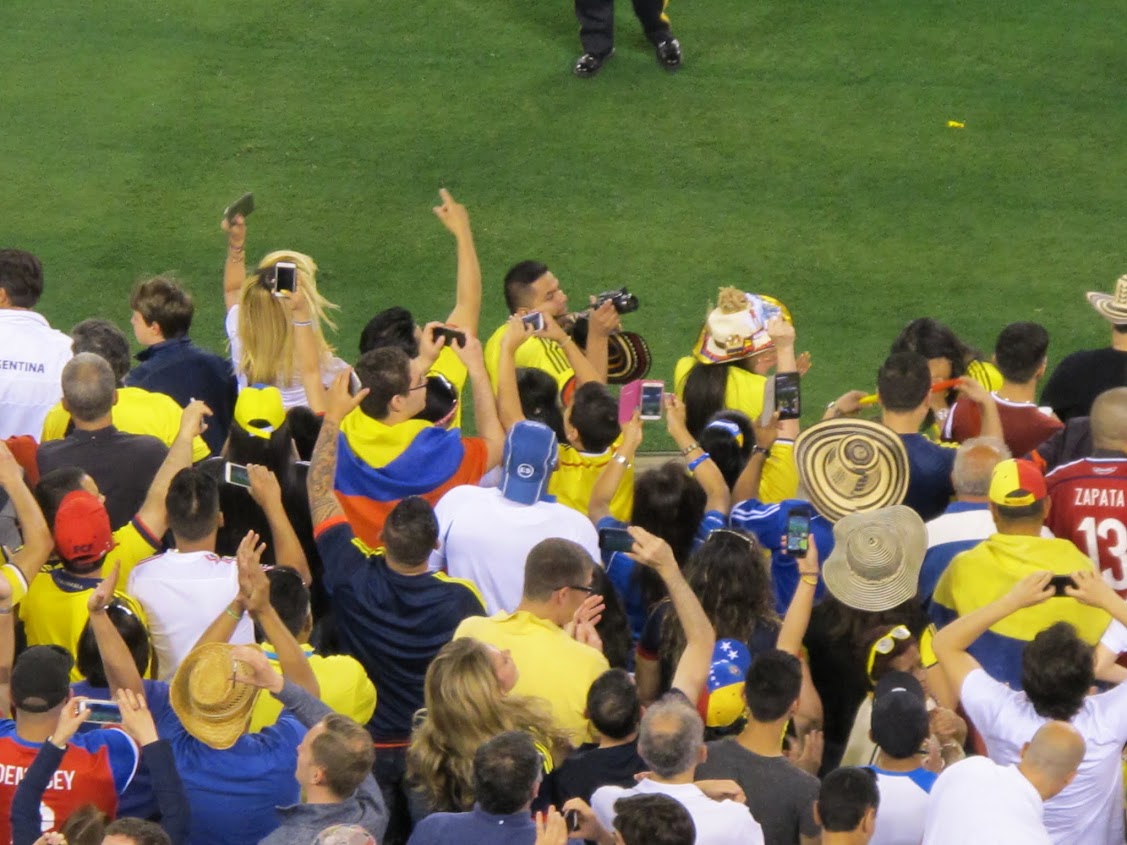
x,y
468,702
265,330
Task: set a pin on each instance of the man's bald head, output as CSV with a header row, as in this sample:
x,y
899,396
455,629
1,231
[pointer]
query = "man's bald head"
x,y
1051,758
88,387
974,465
1109,420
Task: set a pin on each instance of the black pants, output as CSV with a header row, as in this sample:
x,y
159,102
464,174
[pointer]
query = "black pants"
x,y
390,772
596,23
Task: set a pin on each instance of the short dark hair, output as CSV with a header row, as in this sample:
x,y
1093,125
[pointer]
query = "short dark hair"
x,y
88,659
344,751
162,300
552,564
393,327
289,597
141,831
846,795
105,339
594,413
21,275
505,769
53,487
613,705
1057,672
386,372
772,684
1020,350
410,531
193,504
903,381
653,820
517,281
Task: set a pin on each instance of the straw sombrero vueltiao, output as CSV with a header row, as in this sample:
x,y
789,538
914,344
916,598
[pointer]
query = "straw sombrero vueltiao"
x,y
737,327
1112,307
212,706
875,564
848,465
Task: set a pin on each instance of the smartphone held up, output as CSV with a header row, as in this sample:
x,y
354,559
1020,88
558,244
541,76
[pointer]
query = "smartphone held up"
x,y
647,397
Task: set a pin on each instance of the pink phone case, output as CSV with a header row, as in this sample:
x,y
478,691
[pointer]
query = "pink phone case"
x,y
629,400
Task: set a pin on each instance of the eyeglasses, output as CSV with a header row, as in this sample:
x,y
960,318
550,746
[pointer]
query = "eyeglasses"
x,y
885,645
589,590
418,386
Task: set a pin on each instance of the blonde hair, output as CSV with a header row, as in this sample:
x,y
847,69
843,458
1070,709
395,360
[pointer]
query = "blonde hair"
x,y
264,324
464,708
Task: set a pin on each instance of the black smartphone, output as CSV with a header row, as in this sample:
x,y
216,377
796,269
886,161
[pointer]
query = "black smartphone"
x,y
615,540
571,817
285,277
453,336
535,319
101,712
798,532
1059,582
787,399
244,205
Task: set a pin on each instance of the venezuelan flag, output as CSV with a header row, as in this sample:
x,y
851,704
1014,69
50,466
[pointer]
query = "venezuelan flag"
x,y
378,464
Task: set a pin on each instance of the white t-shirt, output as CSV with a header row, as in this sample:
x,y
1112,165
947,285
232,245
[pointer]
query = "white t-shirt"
x,y
717,822
486,538
292,396
978,801
1088,810
182,594
903,806
1115,637
32,357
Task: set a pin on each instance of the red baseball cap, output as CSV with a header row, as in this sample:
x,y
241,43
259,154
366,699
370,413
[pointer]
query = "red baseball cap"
x,y
82,528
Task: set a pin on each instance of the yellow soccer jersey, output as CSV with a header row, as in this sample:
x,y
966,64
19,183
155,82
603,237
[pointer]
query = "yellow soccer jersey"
x,y
743,392
575,478
779,479
345,687
538,352
54,609
137,411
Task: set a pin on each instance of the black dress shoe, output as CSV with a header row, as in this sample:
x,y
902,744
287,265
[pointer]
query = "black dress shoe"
x,y
590,64
669,53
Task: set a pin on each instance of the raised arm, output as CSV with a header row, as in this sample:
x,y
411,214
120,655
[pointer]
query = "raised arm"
x,y
747,485
222,628
121,671
951,642
703,468
153,513
323,502
288,551
987,407
691,673
601,324
467,308
584,371
484,405
783,334
609,480
235,269
797,618
255,589
37,540
307,353
508,395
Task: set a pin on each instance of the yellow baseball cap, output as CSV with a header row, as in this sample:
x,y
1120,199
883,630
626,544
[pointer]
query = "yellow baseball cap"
x,y
259,410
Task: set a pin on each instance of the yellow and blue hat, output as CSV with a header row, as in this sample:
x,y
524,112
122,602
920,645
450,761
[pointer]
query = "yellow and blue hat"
x,y
724,702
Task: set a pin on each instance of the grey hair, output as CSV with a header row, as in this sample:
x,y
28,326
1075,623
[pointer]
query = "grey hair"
x,y
88,386
971,475
671,736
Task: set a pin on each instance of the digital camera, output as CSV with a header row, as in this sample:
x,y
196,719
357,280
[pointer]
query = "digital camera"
x,y
624,301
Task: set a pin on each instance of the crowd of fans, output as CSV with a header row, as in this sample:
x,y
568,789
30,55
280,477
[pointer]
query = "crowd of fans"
x,y
274,597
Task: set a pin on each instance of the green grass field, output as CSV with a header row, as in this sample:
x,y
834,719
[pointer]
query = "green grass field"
x,y
803,151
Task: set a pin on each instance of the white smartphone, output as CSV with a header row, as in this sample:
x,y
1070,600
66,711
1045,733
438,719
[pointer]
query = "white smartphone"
x,y
653,398
285,279
236,474
535,319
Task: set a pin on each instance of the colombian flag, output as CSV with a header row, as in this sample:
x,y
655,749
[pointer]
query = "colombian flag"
x,y
378,464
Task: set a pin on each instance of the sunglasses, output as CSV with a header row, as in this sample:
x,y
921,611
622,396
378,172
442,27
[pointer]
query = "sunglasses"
x,y
885,645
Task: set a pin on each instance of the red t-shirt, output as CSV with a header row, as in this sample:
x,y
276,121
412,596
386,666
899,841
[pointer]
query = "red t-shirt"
x,y
1024,425
1089,507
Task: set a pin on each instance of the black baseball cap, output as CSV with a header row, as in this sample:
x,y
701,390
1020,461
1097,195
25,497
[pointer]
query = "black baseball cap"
x,y
899,724
41,678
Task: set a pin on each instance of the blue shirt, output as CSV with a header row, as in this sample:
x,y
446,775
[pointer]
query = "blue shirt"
x,y
939,556
929,476
476,827
768,522
180,369
623,570
394,624
234,794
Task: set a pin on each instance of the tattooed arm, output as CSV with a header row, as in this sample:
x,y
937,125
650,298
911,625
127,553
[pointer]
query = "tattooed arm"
x,y
323,503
